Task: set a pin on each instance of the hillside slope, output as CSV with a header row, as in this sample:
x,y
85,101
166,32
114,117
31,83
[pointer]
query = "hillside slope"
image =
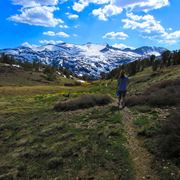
x,y
40,143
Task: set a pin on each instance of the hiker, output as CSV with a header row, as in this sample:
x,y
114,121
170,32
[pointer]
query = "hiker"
x,y
121,89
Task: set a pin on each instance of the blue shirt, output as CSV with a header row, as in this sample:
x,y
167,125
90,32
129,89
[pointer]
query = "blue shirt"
x,y
122,83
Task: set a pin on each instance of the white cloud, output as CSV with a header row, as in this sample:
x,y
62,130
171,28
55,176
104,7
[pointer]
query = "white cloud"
x,y
107,11
145,5
60,34
152,28
122,46
50,42
49,33
63,26
81,4
173,35
35,3
170,38
116,6
116,35
37,12
141,5
146,23
72,16
77,26
39,16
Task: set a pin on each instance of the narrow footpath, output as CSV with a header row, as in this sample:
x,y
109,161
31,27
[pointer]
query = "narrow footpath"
x,y
141,158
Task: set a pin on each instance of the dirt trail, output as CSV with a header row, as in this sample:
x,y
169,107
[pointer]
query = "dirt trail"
x,y
142,159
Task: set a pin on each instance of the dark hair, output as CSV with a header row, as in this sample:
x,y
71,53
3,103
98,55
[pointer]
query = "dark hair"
x,y
122,74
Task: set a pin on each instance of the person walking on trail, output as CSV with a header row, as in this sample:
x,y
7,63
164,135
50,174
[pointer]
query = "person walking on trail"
x,y
121,89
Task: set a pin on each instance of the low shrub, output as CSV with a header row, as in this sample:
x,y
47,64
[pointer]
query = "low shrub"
x,y
54,163
142,79
169,141
84,101
73,84
142,108
68,84
136,100
166,93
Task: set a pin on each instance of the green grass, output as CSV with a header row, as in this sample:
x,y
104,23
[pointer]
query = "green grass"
x,y
149,127
146,121
39,143
142,121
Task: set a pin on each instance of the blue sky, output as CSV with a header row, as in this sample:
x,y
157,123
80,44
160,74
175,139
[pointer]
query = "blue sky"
x,y
121,23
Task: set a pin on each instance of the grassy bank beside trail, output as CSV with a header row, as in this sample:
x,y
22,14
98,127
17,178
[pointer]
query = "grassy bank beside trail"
x,y
39,143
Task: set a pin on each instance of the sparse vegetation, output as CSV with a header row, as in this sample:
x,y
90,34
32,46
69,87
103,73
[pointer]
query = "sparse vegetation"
x,y
168,58
169,140
50,73
84,101
42,144
159,130
166,93
88,143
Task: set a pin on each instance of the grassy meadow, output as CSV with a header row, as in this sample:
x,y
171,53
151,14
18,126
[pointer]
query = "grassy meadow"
x,y
37,142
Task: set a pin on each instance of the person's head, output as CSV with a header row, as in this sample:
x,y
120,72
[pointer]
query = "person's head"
x,y
122,73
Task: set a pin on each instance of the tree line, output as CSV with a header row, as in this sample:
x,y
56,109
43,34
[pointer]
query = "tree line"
x,y
49,70
167,58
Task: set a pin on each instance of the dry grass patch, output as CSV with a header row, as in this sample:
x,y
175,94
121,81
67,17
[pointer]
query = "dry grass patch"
x,y
166,93
84,101
170,136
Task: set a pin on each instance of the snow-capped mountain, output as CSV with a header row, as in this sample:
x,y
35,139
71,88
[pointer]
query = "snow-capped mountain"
x,y
90,59
147,50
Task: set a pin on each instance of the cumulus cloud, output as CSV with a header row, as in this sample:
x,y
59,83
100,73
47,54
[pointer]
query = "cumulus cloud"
x,y
146,23
81,4
50,42
39,16
147,5
35,3
170,38
113,7
142,5
72,16
116,35
63,26
122,46
106,11
60,34
151,27
37,12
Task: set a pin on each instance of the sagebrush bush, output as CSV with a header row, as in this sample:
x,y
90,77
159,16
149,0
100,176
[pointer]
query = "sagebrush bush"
x,y
136,100
54,163
166,93
73,84
169,141
84,101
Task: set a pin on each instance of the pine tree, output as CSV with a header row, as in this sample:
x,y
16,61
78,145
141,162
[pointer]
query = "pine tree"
x,y
166,56
50,73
